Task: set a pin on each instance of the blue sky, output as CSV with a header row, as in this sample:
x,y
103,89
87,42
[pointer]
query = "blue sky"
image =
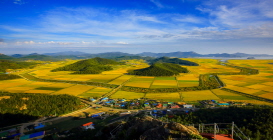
x,y
134,26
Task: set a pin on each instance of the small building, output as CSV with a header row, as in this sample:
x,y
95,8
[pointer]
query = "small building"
x,y
223,104
104,99
147,106
187,106
159,105
165,105
89,125
175,106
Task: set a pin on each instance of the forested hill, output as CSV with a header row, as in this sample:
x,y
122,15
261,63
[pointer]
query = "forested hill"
x,y
89,66
174,61
23,107
2,56
7,64
160,69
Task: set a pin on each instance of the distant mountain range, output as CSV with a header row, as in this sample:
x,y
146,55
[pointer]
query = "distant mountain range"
x,y
112,55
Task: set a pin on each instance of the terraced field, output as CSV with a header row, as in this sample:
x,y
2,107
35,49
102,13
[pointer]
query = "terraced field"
x,y
260,85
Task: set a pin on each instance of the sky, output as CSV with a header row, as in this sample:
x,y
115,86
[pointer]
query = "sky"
x,y
135,26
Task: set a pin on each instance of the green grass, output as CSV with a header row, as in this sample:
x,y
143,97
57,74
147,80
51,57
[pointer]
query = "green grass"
x,y
271,76
164,78
48,88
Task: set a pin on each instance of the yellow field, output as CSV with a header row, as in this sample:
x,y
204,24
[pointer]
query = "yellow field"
x,y
104,78
59,85
267,95
127,95
96,92
199,95
121,79
164,84
39,91
244,90
74,90
175,97
140,81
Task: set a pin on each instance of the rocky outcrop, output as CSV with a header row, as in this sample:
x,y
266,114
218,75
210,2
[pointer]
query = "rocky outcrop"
x,y
148,128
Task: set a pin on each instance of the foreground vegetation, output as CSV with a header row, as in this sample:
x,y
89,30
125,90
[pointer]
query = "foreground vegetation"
x,y
30,106
255,121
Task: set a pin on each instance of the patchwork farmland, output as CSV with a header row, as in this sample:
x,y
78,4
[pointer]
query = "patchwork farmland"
x,y
183,87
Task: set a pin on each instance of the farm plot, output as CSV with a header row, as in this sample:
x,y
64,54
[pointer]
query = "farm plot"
x,y
74,90
267,95
104,78
121,79
127,95
12,83
174,97
199,95
85,77
187,83
164,83
225,95
140,81
96,92
244,89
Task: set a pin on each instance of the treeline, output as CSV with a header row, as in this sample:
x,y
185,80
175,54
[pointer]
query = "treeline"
x,y
7,64
89,66
173,61
254,121
8,76
33,78
160,69
38,105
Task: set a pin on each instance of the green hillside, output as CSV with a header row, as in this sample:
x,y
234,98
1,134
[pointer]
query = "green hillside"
x,y
174,61
160,69
39,57
7,64
89,66
2,56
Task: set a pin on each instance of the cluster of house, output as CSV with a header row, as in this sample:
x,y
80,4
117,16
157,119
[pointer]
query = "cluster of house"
x,y
215,103
140,103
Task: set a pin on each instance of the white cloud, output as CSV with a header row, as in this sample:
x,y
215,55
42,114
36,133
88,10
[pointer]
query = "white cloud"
x,y
121,42
157,3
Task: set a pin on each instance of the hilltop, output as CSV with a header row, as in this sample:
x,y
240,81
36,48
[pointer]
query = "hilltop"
x,y
89,66
160,69
174,61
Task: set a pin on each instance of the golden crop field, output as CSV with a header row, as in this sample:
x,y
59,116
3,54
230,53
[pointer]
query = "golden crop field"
x,y
74,90
226,96
121,79
164,84
199,95
127,95
96,92
140,81
259,85
175,97
105,78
